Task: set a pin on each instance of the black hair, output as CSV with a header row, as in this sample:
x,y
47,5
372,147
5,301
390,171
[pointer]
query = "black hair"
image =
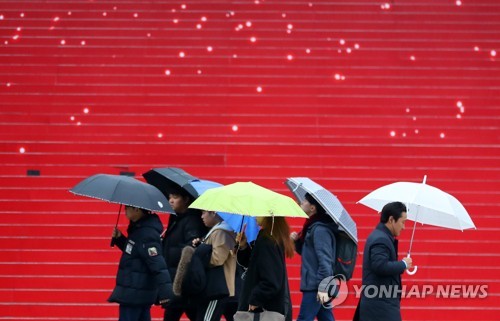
x,y
319,209
182,192
144,211
394,209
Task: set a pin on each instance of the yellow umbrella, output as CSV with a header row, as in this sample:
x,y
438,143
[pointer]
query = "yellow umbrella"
x,y
247,198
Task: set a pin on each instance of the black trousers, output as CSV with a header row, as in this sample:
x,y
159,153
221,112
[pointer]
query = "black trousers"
x,y
175,313
211,310
135,313
230,309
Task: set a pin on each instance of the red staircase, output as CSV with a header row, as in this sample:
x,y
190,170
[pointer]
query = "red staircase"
x,y
354,95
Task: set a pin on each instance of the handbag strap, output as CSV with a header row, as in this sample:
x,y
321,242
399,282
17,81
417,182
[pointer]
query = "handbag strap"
x,y
286,296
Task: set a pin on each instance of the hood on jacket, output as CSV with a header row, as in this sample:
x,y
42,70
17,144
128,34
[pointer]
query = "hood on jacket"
x,y
221,226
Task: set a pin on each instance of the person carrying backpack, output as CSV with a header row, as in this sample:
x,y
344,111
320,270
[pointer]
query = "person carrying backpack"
x,y
210,276
316,243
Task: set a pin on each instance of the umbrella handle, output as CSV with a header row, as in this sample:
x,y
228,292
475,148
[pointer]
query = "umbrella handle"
x,y
113,240
412,272
415,268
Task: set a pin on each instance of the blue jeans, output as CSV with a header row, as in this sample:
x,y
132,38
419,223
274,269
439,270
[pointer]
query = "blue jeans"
x,y
135,313
310,308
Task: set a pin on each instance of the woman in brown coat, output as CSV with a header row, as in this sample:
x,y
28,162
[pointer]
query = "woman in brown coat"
x,y
222,239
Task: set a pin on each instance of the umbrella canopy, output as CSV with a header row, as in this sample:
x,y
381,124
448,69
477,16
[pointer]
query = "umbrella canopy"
x,y
200,186
247,198
170,179
236,222
330,203
123,190
426,204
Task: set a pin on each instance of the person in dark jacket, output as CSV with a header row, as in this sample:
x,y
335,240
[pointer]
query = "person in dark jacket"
x,y
316,244
265,285
182,229
142,277
381,267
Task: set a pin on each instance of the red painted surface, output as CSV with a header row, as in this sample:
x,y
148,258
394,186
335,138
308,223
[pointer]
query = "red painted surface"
x,y
351,94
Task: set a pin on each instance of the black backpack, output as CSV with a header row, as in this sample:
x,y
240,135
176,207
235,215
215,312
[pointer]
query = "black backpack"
x,y
345,256
346,251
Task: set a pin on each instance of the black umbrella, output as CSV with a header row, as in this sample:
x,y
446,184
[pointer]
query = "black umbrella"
x,y
171,179
123,190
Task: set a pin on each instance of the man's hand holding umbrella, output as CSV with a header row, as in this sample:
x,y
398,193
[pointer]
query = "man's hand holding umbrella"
x,y
409,262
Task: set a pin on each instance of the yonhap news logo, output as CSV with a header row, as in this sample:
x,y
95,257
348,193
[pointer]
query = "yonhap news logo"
x,y
336,288
416,291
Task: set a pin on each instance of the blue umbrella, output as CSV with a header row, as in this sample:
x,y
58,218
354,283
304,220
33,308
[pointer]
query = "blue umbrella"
x,y
235,221
199,186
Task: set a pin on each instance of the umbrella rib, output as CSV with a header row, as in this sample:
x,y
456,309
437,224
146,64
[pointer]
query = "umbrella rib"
x,y
151,201
114,191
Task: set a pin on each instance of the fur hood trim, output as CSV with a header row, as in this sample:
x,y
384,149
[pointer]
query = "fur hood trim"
x,y
186,256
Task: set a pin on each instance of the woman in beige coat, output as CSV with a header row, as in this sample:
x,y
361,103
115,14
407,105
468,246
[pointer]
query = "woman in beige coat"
x,y
222,239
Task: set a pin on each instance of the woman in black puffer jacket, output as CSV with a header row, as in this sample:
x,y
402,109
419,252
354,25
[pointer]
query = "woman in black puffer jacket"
x,y
142,278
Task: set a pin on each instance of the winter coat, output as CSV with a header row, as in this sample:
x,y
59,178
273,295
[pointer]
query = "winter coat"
x,y
208,271
192,277
182,230
318,255
264,284
142,277
381,268
222,239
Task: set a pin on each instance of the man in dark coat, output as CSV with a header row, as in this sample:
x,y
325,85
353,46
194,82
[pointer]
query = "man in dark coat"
x,y
182,229
381,268
142,278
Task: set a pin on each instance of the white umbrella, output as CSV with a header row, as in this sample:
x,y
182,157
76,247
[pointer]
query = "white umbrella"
x,y
425,204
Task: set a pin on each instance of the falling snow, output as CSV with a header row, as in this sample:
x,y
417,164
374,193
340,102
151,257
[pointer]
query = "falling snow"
x,y
294,50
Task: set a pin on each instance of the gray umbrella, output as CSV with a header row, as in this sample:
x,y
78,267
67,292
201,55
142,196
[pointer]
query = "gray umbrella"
x,y
302,185
123,190
170,179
